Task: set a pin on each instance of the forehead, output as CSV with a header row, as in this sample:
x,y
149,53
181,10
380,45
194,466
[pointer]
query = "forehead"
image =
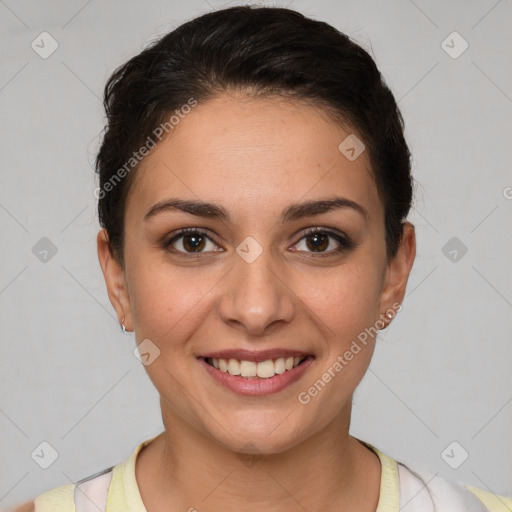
x,y
250,152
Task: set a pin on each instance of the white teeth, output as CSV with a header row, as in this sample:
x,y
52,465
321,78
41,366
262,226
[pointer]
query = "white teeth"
x,y
234,367
223,365
280,365
263,369
248,368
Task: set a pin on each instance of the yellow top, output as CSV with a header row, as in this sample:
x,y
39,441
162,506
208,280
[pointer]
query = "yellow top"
x,y
124,495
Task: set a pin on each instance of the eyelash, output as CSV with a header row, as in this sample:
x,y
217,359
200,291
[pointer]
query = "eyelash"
x,y
344,242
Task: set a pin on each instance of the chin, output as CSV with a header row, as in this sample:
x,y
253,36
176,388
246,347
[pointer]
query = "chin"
x,y
263,438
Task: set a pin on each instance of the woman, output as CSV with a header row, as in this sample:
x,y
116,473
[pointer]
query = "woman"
x,y
254,189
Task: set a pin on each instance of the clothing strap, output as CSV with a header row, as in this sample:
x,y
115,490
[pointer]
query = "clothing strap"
x,y
432,493
90,494
418,493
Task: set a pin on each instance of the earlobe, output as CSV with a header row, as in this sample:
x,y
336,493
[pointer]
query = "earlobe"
x,y
115,281
397,275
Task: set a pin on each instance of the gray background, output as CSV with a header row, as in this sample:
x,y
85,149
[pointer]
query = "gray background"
x,y
441,372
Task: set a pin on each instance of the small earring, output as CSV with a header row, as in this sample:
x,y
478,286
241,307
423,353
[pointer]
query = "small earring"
x,y
123,328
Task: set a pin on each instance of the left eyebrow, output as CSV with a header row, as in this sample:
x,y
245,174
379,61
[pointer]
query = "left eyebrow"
x,y
292,212
309,208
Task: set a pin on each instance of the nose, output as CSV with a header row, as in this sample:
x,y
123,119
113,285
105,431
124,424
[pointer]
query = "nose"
x,y
255,297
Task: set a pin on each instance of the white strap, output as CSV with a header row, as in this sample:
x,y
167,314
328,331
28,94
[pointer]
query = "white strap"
x,y
414,495
433,493
90,495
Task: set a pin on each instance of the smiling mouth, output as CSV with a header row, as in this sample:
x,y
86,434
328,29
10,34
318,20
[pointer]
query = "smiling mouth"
x,y
257,370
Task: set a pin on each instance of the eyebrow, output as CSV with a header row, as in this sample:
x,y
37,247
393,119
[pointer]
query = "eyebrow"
x,y
290,213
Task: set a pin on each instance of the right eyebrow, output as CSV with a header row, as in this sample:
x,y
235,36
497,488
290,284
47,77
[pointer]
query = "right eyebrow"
x,y
193,207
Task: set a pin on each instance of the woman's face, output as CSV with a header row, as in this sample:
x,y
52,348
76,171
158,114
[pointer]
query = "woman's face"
x,y
253,279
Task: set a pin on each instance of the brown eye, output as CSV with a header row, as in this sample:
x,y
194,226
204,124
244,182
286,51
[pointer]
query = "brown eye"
x,y
191,241
317,242
323,241
194,243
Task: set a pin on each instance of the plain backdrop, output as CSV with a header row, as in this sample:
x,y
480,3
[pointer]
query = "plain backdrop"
x,y
439,390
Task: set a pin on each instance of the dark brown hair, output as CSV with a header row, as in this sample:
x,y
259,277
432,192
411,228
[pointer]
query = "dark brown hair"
x,y
262,51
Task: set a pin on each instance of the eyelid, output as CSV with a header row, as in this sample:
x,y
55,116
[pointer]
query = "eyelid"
x,y
345,242
342,238
321,229
169,240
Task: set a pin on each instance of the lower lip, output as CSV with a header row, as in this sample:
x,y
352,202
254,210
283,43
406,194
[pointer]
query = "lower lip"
x,y
257,386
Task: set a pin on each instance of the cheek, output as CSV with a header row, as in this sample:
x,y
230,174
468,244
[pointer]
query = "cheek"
x,y
167,304
345,299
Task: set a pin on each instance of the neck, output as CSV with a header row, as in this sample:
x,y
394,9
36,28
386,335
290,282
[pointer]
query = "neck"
x,y
330,470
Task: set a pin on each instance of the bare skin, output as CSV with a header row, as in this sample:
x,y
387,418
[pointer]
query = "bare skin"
x,y
255,157
28,506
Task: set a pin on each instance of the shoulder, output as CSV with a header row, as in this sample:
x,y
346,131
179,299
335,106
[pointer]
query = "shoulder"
x,y
59,499
493,502
28,506
67,497
424,491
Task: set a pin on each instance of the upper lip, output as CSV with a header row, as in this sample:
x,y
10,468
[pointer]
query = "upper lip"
x,y
255,355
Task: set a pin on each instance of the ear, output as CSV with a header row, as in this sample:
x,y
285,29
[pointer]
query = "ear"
x,y
397,275
114,276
